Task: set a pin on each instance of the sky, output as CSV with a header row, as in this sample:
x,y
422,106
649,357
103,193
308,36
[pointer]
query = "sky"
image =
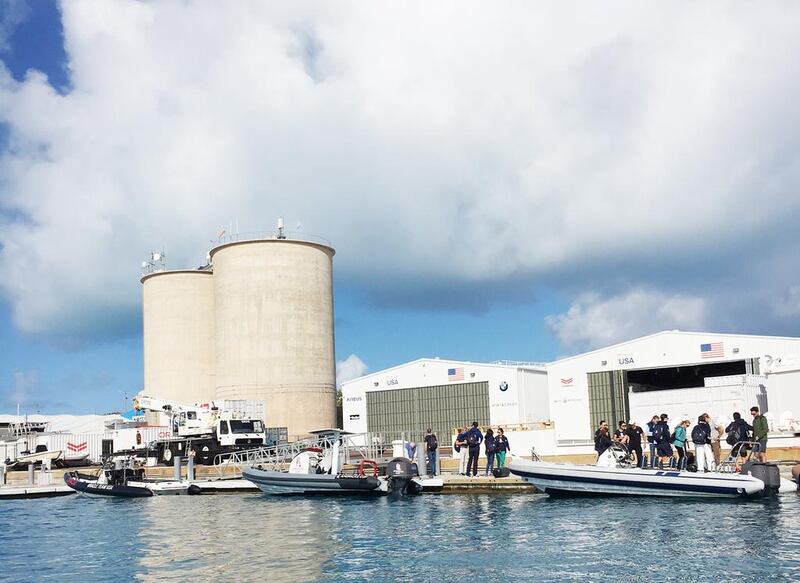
x,y
516,182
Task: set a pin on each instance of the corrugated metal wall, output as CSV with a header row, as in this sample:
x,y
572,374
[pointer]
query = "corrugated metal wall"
x,y
608,399
440,407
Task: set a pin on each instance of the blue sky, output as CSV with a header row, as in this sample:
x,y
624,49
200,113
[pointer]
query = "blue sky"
x,y
515,185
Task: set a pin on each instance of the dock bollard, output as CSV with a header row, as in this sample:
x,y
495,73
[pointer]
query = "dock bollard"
x,y
2,474
176,468
30,474
421,460
190,467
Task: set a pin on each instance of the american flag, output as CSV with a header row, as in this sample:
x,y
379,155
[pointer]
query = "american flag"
x,y
455,374
713,350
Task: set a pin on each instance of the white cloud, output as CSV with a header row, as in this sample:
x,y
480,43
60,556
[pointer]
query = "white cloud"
x,y
350,368
593,321
428,143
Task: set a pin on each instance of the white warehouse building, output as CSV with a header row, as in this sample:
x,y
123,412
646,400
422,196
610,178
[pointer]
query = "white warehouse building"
x,y
444,394
556,407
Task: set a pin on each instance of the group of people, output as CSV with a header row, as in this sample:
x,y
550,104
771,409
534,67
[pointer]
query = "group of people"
x,y
704,435
468,447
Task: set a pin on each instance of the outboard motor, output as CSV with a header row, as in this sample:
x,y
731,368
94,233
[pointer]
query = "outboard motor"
x,y
767,473
399,474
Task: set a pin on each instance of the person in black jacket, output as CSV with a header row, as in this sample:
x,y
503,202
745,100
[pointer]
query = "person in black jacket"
x,y
635,433
602,439
661,437
474,440
701,437
501,447
488,441
651,442
738,430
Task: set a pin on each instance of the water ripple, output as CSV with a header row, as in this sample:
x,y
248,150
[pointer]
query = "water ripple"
x,y
454,537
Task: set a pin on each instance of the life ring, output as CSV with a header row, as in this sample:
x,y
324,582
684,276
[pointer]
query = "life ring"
x,y
364,463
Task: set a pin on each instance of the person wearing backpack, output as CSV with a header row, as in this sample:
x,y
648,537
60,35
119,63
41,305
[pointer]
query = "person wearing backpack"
x,y
661,436
460,447
431,445
760,431
489,443
474,440
738,430
651,425
701,437
501,446
679,442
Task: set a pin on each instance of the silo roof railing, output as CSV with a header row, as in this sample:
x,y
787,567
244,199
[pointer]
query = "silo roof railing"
x,y
270,235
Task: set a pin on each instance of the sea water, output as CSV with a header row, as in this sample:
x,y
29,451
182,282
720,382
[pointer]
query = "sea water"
x,y
445,537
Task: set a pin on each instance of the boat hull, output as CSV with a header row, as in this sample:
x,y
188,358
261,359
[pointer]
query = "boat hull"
x,y
272,482
576,480
84,486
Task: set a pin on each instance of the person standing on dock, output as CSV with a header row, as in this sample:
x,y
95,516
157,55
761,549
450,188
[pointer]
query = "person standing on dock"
x,y
760,431
460,446
474,440
635,434
661,437
489,442
651,426
501,446
431,445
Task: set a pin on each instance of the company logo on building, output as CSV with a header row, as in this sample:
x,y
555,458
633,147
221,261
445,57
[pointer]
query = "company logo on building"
x,y
504,386
76,447
350,399
566,382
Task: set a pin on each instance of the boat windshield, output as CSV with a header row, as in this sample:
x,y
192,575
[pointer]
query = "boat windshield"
x,y
239,426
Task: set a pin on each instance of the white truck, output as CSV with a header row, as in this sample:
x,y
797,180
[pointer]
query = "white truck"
x,y
205,429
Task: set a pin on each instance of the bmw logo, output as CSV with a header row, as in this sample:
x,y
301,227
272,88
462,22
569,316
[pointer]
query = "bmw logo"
x,y
504,386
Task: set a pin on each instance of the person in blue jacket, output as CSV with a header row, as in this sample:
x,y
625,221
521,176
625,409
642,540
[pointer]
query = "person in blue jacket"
x,y
680,443
474,440
489,443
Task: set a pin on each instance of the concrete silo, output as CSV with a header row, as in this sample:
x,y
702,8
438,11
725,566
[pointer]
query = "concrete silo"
x,y
179,355
274,330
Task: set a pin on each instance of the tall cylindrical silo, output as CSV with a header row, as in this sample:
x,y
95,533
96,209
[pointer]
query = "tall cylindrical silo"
x,y
274,330
179,353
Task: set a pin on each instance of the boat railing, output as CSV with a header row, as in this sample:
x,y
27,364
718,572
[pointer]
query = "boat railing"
x,y
353,448
272,457
735,459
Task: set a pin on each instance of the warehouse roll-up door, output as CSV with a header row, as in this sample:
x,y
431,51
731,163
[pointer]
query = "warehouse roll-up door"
x,y
440,407
608,399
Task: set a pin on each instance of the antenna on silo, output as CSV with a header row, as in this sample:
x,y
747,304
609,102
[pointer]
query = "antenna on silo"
x,y
281,234
157,262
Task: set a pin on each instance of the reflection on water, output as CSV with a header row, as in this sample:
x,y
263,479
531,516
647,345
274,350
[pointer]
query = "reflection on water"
x,y
251,537
247,536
